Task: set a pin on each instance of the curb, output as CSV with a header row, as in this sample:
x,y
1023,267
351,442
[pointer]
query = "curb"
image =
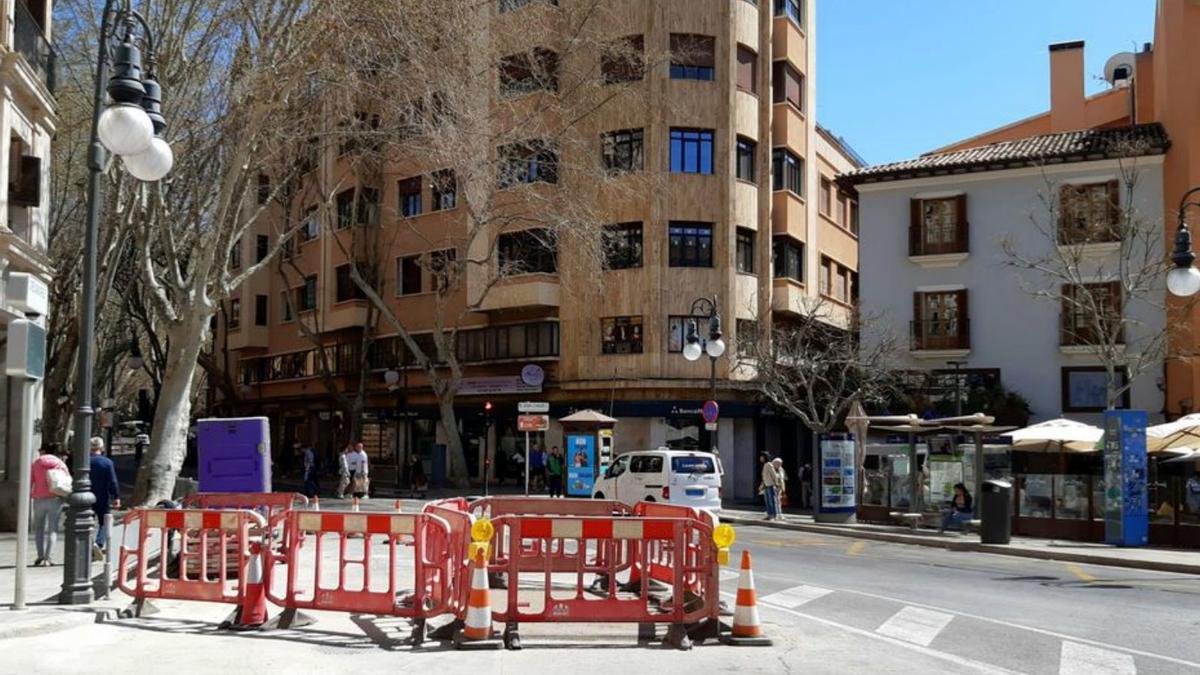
x,y
974,546
39,622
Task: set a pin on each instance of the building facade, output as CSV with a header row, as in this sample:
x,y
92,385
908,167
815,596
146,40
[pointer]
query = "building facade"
x,y
27,123
758,224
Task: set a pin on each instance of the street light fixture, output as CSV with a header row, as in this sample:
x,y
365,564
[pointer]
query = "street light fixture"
x,y
128,122
697,345
1184,279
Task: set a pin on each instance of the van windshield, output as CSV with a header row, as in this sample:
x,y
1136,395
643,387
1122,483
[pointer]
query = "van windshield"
x,y
693,465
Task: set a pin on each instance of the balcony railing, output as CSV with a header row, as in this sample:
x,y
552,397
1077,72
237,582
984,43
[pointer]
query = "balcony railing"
x,y
30,41
919,244
940,334
1071,335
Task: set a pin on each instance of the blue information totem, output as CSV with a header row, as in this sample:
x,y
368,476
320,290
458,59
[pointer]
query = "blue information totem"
x,y
580,459
1126,506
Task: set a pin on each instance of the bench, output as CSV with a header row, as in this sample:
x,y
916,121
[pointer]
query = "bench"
x,y
971,525
913,520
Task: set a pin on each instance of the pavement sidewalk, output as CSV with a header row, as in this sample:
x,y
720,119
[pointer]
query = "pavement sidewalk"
x,y
1162,560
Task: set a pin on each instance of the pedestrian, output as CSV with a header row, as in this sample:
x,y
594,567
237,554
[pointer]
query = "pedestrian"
x,y
343,471
311,487
806,477
772,486
517,461
959,510
416,475
1193,493
763,460
50,482
537,467
106,490
356,463
554,470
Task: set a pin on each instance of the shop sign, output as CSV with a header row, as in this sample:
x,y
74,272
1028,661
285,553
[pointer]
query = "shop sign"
x,y
506,384
533,423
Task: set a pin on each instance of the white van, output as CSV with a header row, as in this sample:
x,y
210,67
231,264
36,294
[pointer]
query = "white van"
x,y
684,477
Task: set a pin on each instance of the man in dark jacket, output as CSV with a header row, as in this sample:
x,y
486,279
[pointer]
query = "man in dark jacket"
x,y
106,489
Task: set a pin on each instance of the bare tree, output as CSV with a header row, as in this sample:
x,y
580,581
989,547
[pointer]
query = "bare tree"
x,y
1097,257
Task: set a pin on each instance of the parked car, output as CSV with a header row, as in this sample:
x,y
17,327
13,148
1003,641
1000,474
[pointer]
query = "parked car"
x,y
685,477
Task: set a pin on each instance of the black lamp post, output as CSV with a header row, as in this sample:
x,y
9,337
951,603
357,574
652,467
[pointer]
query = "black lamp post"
x,y
1184,279
712,345
128,123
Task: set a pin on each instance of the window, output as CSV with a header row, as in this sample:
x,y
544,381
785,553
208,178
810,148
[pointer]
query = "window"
x,y
938,226
745,159
235,255
747,334
646,464
260,310
527,72
510,5
824,277
408,275
825,202
441,267
622,150
692,151
311,226
443,190
787,84
792,9
841,283
788,256
940,320
692,57
690,244
852,216
368,206
787,171
306,295
1089,213
529,162
621,335
1092,314
677,328
287,308
345,209
262,247
410,197
623,246
526,252
747,69
515,341
235,313
264,188
745,250
346,288
854,288
842,212
1085,389
623,60
693,465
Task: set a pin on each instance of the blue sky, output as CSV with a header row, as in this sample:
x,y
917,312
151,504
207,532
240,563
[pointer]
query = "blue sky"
x,y
896,78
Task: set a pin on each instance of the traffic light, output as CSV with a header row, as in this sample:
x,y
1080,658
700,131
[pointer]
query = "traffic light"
x,y
487,413
487,407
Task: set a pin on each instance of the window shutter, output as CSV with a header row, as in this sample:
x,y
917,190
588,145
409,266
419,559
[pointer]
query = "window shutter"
x,y
746,61
914,227
1114,204
960,226
918,330
964,321
1066,197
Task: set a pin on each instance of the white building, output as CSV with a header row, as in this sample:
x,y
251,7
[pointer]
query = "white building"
x,y
936,273
27,123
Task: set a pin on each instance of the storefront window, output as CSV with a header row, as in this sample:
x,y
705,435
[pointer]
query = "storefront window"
x,y
1070,497
875,487
1162,501
1036,496
901,494
683,433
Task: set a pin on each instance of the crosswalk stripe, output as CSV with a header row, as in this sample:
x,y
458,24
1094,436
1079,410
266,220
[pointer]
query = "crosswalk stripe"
x,y
1081,659
915,625
796,596
727,575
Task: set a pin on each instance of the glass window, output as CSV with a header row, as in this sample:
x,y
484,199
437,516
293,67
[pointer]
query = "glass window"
x,y
368,206
792,9
677,328
264,188
1085,389
646,464
526,252
692,57
621,335
745,158
623,60
235,313
530,71
410,197
1071,497
409,274
1089,213
747,69
788,258
623,246
287,308
262,247
345,209
260,310
823,278
698,464
745,251
443,190
692,151
311,226
787,84
622,150
442,268
346,288
306,295
235,255
1037,496
690,244
533,161
825,203
787,171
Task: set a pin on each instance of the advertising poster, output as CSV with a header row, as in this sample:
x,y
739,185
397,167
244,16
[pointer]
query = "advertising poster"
x,y
944,472
837,473
581,464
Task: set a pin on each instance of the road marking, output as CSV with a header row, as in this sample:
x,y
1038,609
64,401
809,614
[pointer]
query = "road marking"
x,y
1079,573
856,548
796,596
915,625
1081,659
927,651
726,575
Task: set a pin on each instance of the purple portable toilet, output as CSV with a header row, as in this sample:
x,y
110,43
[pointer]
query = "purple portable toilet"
x,y
234,454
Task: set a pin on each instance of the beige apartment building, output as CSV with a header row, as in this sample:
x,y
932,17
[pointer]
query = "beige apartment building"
x,y
746,211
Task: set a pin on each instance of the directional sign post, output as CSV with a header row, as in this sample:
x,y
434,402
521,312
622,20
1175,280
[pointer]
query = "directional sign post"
x,y
528,423
539,407
710,412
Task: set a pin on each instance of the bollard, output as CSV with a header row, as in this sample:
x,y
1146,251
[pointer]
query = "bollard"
x,y
108,554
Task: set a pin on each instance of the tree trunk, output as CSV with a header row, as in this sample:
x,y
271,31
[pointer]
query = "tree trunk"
x,y
168,437
1110,385
456,464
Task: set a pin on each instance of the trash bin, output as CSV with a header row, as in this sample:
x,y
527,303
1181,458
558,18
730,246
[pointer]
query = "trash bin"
x,y
996,512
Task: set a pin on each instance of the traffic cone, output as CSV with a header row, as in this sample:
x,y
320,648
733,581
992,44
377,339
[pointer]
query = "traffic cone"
x,y
252,613
477,631
747,630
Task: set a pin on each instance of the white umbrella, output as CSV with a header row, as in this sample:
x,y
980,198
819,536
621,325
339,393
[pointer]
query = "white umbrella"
x,y
1056,436
1182,435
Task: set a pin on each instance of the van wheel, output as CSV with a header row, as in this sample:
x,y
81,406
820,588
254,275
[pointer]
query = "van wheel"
x,y
648,499
598,495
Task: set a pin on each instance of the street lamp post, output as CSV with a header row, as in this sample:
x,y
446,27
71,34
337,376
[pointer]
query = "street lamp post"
x,y
1184,279
392,377
957,386
712,345
128,123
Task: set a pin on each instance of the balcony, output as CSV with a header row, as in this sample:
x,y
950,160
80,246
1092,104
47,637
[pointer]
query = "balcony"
x,y
940,338
29,40
934,251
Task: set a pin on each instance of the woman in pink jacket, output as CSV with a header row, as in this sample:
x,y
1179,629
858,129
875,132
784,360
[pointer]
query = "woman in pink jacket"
x,y
46,504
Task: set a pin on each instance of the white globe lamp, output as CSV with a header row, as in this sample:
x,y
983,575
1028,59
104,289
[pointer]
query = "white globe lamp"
x,y
692,351
152,164
125,129
715,348
1183,282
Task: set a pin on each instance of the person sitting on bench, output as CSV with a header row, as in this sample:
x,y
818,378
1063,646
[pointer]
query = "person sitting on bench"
x,y
959,512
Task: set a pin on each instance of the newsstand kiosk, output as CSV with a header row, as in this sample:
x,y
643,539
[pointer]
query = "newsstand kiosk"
x,y
588,437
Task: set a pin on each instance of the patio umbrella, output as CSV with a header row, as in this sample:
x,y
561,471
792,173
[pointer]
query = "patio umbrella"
x,y
1193,456
1057,435
1182,435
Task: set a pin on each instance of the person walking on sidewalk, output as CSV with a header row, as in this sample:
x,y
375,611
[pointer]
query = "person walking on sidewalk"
x,y
773,484
537,468
107,491
806,477
311,487
47,491
554,469
356,462
344,471
960,509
